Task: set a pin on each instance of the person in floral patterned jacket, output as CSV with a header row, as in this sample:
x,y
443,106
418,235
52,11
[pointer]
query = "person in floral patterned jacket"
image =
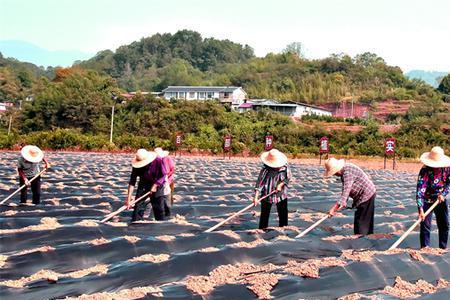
x,y
433,184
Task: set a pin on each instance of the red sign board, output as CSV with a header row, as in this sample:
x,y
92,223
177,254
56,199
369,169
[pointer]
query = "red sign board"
x,y
389,146
178,140
227,143
323,146
269,142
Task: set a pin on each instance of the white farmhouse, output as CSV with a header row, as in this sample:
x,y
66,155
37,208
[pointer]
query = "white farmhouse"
x,y
4,106
232,95
290,108
304,109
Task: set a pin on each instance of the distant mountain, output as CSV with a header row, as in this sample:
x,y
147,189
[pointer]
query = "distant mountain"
x,y
433,78
28,52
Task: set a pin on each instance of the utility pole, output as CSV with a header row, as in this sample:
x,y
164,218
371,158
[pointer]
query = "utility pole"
x,y
10,122
112,125
352,107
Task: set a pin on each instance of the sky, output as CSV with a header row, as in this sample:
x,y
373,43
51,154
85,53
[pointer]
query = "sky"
x,y
410,34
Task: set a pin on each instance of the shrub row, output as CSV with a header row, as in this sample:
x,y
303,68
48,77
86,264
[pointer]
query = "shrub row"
x,y
368,142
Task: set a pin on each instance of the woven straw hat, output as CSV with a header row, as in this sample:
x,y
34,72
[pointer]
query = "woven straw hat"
x,y
332,166
32,154
435,158
143,158
274,159
160,152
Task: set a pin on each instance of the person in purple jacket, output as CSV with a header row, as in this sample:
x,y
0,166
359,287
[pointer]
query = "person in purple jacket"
x,y
433,184
152,177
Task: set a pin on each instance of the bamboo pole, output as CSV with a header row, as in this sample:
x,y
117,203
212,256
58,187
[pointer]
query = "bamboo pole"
x,y
395,245
304,232
238,213
124,207
23,186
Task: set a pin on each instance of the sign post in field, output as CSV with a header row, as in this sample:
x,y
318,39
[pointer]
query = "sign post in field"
x,y
227,146
268,145
178,143
323,148
389,149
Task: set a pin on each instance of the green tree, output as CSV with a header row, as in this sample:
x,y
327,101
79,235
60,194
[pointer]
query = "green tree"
x,y
444,86
295,48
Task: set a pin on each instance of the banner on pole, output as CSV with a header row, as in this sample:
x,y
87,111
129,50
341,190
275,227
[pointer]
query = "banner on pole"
x,y
178,140
227,143
389,146
324,146
269,142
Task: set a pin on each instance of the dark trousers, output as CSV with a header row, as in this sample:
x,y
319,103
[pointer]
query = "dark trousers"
x,y
364,217
172,188
167,205
35,189
157,200
282,209
441,213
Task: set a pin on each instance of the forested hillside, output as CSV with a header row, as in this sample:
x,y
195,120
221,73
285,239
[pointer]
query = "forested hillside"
x,y
71,107
18,78
154,62
185,58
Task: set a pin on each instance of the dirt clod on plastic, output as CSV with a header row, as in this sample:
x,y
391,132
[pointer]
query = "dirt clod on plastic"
x,y
406,290
47,223
52,276
259,279
134,293
151,258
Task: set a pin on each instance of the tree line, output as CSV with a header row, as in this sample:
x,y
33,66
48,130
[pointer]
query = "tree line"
x,y
72,106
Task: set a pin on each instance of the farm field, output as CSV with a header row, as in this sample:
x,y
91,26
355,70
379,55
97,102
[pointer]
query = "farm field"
x,y
59,249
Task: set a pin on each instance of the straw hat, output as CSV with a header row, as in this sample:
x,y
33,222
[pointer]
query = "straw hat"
x,y
435,158
333,165
160,152
274,158
143,158
32,153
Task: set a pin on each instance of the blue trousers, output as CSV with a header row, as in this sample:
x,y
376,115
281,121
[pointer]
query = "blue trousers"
x,y
441,213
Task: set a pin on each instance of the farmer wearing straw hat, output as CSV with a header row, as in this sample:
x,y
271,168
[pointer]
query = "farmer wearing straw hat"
x,y
274,176
148,167
169,166
433,185
357,185
28,167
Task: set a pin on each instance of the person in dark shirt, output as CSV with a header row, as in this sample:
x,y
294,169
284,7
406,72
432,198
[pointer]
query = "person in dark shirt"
x,y
28,167
149,169
433,184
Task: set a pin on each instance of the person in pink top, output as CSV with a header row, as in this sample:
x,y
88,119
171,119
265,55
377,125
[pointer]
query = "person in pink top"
x,y
169,166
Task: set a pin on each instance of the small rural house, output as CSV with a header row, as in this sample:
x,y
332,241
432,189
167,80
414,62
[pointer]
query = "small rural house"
x,y
291,109
232,95
4,106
